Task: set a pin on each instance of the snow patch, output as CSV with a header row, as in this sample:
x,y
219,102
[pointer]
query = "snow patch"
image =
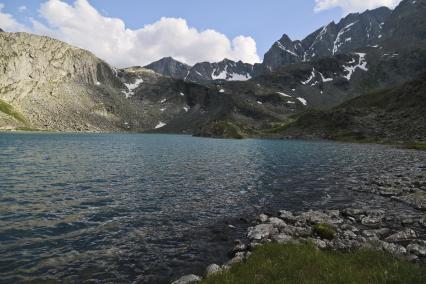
x,y
303,101
338,43
282,47
186,108
239,77
131,87
259,102
362,64
221,76
284,95
162,109
182,94
221,91
163,101
312,76
160,124
325,79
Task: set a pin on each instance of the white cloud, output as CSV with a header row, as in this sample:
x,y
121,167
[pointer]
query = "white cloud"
x,y
22,8
82,25
8,22
349,6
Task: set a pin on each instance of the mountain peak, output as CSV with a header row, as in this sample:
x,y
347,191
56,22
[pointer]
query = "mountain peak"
x,y
168,66
285,39
1,30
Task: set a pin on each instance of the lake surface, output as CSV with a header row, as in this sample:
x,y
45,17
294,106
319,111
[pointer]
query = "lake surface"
x,y
123,208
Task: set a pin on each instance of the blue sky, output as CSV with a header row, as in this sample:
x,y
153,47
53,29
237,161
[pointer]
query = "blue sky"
x,y
263,21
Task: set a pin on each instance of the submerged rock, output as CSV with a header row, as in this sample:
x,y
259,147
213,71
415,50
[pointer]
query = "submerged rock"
x,y
417,200
187,279
371,221
262,218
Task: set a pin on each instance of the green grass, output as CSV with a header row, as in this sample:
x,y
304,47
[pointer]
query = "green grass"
x,y
290,263
25,128
325,231
227,129
9,110
415,146
278,127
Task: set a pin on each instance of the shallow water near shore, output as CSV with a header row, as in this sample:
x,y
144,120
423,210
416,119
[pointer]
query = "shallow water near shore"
x,y
143,208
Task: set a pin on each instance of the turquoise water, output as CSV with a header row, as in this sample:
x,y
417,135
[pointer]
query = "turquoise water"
x,y
136,207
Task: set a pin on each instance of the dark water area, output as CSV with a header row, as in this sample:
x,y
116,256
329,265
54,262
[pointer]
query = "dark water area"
x,y
139,208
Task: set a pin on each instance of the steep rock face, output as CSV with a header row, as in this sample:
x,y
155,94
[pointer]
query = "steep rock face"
x,y
406,26
170,67
352,32
224,70
54,85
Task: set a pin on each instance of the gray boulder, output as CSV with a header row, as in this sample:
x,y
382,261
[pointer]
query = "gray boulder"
x,y
213,269
187,279
392,248
277,222
402,236
417,249
261,231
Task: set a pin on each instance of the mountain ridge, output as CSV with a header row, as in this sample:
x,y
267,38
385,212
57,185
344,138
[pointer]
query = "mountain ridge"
x,y
54,86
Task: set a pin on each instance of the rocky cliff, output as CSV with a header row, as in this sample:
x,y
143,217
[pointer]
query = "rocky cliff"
x,y
53,85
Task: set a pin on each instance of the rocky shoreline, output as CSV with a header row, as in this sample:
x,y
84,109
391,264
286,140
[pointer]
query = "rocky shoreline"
x,y
351,228
373,227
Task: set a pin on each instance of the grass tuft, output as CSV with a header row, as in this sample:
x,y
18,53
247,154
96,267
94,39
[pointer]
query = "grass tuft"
x,y
291,263
415,146
325,231
9,110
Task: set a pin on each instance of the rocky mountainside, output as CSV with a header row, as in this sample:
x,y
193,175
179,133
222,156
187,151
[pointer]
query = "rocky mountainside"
x,y
395,114
325,82
352,32
50,85
170,67
203,72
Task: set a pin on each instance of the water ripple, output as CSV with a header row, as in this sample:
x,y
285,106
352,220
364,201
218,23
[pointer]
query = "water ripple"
x,y
121,208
